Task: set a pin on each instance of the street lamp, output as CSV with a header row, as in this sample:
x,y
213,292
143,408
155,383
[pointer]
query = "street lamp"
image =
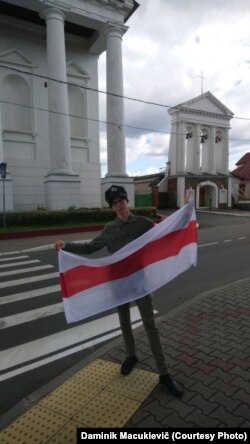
x,y
3,169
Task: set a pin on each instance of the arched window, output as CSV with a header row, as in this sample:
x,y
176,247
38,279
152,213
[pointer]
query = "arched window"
x,y
77,111
16,104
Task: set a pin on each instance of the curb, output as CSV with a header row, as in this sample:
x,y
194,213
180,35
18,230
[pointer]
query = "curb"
x,y
48,232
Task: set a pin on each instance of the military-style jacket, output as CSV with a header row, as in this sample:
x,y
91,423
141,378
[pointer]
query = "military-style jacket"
x,y
114,236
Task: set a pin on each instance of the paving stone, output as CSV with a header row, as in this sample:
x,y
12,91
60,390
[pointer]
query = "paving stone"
x,y
201,420
206,392
185,369
204,367
158,409
227,389
243,410
174,421
229,419
139,417
228,402
204,357
241,383
186,358
206,406
224,376
240,372
204,378
242,395
149,422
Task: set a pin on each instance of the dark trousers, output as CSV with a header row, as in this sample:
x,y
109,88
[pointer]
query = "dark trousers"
x,y
146,309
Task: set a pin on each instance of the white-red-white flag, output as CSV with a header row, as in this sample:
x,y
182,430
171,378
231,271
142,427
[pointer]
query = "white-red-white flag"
x,y
91,286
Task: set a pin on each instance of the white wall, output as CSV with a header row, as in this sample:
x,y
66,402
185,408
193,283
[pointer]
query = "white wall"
x,y
27,153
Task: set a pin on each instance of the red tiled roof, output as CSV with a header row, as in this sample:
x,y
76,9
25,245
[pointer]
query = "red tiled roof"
x,y
243,170
244,159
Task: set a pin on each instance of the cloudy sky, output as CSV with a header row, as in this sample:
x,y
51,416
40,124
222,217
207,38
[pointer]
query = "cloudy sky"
x,y
168,45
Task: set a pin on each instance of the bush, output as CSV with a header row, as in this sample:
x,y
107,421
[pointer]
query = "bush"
x,y
79,216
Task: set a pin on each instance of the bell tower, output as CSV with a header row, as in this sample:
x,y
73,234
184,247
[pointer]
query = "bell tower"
x,y
199,149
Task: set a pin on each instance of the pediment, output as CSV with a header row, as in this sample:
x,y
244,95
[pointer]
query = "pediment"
x,y
76,71
206,103
15,57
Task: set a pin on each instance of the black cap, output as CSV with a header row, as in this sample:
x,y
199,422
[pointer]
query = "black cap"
x,y
115,192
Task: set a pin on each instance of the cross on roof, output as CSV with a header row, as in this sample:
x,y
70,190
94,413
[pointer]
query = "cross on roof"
x,y
202,78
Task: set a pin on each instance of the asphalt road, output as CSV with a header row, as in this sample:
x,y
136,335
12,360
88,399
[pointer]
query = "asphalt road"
x,y
223,257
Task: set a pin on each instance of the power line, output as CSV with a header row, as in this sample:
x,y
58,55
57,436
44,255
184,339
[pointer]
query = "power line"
x,y
150,130
146,102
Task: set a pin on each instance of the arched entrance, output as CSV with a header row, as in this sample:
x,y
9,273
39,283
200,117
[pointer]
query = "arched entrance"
x,y
207,195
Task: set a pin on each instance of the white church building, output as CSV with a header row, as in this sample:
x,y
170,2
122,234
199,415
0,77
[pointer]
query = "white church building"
x,y
198,159
49,112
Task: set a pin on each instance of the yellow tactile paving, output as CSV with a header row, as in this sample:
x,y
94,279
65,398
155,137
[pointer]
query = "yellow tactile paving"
x,y
96,396
67,435
37,425
99,373
107,410
138,385
69,397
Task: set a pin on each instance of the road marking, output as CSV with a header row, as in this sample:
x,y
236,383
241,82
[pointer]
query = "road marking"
x,y
208,245
29,280
16,264
241,238
64,354
29,294
25,256
228,240
38,348
25,270
30,315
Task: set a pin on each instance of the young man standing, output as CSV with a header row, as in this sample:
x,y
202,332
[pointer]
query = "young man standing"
x,y
116,234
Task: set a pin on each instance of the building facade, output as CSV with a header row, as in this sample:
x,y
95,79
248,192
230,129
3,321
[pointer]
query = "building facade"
x,y
49,115
241,182
199,153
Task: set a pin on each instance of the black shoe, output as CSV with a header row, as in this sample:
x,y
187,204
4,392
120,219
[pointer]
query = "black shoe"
x,y
167,381
128,364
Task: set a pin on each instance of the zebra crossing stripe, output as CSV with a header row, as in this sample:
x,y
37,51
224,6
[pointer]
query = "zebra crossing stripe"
x,y
15,258
16,264
25,270
29,294
28,280
23,353
30,315
64,354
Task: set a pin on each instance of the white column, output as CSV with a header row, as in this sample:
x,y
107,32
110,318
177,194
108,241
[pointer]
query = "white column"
x,y
196,148
115,105
172,155
181,148
180,191
1,140
190,154
225,152
115,116
58,96
212,147
62,185
7,184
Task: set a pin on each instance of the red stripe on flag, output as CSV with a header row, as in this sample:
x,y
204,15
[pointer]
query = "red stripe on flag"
x,y
82,277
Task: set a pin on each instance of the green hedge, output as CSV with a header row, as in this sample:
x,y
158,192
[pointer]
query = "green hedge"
x,y
81,216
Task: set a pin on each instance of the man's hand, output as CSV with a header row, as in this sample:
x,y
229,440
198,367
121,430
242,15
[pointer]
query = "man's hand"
x,y
58,245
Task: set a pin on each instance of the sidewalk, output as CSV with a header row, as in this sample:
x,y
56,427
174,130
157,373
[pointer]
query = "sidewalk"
x,y
207,343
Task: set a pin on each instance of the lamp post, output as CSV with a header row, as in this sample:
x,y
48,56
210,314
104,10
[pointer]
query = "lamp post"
x,y
3,169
